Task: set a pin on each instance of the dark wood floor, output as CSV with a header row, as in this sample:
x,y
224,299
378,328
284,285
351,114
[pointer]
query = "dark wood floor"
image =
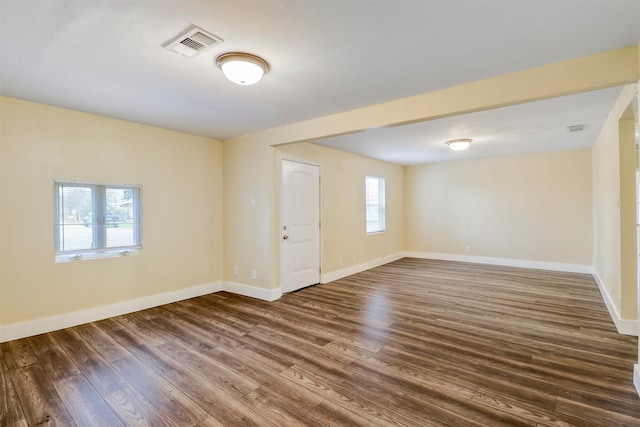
x,y
414,342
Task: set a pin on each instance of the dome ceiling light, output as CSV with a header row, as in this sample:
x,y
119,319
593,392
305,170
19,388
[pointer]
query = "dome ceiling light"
x,y
459,144
242,68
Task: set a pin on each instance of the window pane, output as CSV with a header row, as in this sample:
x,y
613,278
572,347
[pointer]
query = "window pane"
x,y
76,237
75,231
374,204
372,190
120,217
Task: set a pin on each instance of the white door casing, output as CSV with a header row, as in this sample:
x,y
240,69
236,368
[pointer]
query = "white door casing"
x,y
300,225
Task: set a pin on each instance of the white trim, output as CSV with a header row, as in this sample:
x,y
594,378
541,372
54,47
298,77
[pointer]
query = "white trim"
x,y
636,377
286,156
253,291
509,262
624,326
348,271
67,320
107,184
98,254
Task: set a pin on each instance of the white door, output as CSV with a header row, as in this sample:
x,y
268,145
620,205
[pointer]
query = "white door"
x,y
300,225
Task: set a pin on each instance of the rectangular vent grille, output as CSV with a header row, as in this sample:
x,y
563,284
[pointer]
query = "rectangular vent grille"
x,y
192,42
576,128
203,39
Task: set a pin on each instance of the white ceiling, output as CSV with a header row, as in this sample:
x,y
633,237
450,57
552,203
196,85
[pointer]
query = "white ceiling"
x,y
532,127
105,56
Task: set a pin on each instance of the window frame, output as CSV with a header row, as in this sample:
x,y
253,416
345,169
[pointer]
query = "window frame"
x,y
100,225
381,205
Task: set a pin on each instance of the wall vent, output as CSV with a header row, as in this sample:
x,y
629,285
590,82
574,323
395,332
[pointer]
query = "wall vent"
x,y
192,42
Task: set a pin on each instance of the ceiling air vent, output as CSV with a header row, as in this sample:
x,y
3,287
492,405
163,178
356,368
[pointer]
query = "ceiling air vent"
x,y
576,128
192,42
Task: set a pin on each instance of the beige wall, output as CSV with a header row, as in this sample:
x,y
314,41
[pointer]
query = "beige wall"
x,y
607,225
249,228
345,242
628,223
534,207
181,177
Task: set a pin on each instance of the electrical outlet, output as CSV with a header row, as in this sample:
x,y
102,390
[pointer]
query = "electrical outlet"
x,y
340,262
236,271
254,274
467,249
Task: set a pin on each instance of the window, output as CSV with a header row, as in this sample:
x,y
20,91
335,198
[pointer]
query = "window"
x,y
375,210
96,221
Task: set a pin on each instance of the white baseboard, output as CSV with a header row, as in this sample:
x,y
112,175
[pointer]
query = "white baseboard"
x,y
636,377
67,320
508,262
348,271
53,323
624,326
48,324
253,291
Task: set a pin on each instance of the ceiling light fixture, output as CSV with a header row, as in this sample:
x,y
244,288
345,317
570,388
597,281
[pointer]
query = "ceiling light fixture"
x,y
459,144
242,68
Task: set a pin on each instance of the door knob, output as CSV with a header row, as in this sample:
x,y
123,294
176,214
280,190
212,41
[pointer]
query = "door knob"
x,y
285,237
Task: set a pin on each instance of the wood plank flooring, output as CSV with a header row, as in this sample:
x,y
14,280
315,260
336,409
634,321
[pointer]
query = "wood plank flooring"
x,y
411,343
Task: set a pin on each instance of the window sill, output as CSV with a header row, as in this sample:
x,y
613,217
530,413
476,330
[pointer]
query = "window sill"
x,y
85,256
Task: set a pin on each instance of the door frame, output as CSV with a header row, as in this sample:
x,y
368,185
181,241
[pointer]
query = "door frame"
x,y
292,158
